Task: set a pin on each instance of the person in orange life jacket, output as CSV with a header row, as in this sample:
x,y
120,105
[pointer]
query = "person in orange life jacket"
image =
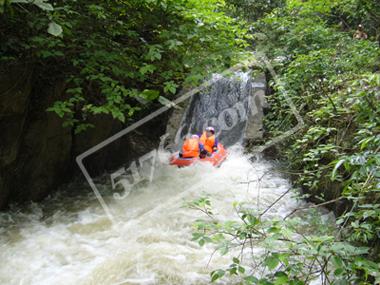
x,y
191,147
209,141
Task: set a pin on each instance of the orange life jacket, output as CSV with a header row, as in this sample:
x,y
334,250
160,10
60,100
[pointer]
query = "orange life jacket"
x,y
208,142
190,148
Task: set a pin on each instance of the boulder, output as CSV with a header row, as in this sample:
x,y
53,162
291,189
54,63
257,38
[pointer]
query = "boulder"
x,y
258,103
15,89
44,153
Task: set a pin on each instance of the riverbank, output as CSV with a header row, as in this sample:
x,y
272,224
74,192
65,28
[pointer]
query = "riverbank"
x,y
331,75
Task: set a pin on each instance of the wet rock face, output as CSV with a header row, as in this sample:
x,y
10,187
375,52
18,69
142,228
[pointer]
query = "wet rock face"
x,y
34,148
255,127
234,106
36,153
15,88
120,152
43,155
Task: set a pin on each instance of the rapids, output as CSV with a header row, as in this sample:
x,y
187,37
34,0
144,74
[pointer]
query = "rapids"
x,y
68,238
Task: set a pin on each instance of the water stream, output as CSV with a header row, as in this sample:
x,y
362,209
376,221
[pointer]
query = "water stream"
x,y
68,238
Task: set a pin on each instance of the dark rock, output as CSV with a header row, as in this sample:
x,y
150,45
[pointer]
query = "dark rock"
x,y
44,152
37,154
255,128
15,88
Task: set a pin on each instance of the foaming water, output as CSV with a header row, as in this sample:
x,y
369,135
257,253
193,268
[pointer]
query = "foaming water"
x,y
69,239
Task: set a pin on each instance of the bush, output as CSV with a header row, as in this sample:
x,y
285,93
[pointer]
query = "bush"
x,y
116,57
334,82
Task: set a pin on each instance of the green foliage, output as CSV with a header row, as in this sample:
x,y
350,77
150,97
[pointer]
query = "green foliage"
x,y
350,13
252,10
53,28
296,251
118,57
334,82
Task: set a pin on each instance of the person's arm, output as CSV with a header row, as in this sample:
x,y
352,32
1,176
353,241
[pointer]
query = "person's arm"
x,y
215,147
201,147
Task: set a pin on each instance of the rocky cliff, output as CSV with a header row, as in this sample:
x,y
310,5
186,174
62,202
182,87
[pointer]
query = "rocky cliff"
x,y
37,154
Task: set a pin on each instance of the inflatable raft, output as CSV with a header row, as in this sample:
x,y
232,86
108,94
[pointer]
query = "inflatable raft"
x,y
215,159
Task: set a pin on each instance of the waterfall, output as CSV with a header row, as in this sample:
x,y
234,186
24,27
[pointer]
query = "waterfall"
x,y
224,104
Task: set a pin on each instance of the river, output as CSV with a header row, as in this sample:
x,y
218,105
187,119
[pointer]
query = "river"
x,y
68,239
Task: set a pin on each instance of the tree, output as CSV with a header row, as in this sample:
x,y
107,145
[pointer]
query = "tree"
x,y
117,57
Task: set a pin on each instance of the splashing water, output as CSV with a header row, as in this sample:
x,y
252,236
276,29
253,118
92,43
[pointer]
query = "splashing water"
x,y
69,240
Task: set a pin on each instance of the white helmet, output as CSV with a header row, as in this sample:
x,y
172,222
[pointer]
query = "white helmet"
x,y
210,129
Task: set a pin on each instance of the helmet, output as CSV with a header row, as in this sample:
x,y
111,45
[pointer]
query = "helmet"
x,y
210,129
195,137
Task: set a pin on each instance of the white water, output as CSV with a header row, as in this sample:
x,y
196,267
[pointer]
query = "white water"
x,y
69,240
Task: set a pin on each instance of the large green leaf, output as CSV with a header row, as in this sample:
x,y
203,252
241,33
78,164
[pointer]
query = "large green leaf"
x,y
55,29
43,5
